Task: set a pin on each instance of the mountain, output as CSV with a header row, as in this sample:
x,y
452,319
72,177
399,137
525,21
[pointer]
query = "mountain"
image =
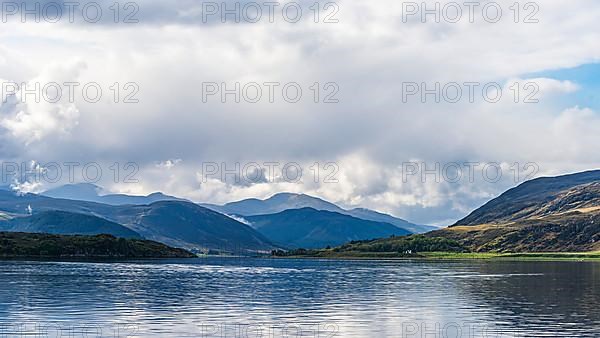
x,y
371,215
191,226
79,191
17,244
311,228
524,200
92,193
546,214
24,204
174,223
66,223
285,201
276,203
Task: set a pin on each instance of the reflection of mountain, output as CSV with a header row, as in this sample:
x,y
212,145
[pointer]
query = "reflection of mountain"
x,y
546,214
287,201
311,228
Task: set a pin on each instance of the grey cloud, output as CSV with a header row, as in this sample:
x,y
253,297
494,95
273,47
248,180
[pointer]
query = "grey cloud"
x,y
370,133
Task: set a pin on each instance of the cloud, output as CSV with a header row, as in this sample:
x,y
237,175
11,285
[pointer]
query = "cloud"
x,y
41,106
240,219
369,134
168,164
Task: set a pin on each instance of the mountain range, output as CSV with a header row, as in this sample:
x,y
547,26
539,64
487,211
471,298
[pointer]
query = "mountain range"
x,y
176,223
93,193
241,227
286,201
549,214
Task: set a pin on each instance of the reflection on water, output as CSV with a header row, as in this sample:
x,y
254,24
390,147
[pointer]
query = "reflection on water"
x,y
278,298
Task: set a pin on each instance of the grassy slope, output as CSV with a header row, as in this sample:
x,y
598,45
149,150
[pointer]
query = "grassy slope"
x,y
560,214
576,231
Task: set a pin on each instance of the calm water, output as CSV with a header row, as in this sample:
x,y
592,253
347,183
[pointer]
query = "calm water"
x,y
292,298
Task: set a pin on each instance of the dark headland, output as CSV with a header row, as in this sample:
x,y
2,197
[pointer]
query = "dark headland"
x,y
47,246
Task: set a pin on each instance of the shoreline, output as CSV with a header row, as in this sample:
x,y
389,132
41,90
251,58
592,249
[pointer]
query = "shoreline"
x,y
450,256
391,257
81,259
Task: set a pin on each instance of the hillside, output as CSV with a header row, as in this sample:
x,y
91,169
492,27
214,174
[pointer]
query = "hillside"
x,y
66,223
311,228
191,226
555,214
16,244
525,199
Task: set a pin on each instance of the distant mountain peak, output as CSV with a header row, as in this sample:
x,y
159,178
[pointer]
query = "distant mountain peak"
x,y
365,210
81,188
156,194
277,203
287,195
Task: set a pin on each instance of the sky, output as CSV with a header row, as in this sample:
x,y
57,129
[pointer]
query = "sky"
x,y
347,110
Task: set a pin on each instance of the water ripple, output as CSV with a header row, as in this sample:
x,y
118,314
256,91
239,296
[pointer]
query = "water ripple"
x,y
243,297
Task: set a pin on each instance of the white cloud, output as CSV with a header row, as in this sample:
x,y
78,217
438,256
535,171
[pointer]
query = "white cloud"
x,y
40,106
